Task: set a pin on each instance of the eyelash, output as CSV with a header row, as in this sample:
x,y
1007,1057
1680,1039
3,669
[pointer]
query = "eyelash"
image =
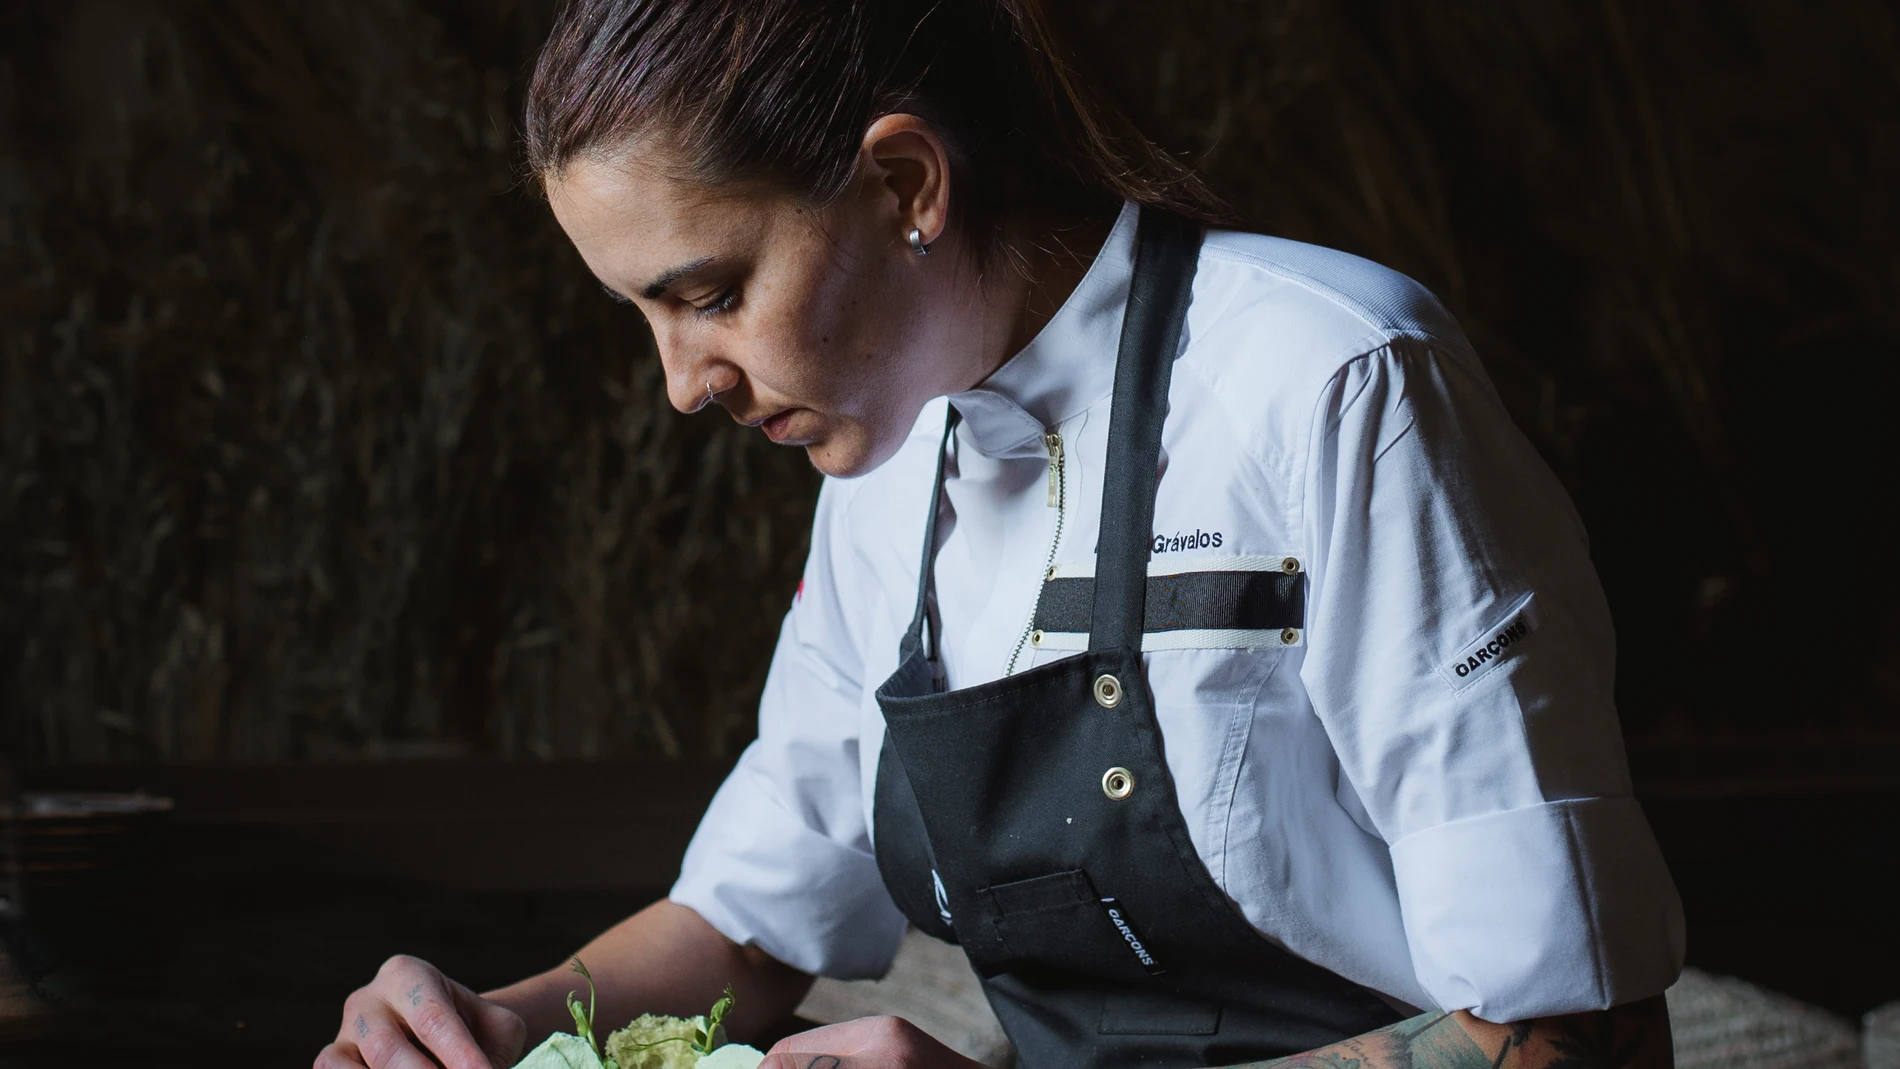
x,y
719,305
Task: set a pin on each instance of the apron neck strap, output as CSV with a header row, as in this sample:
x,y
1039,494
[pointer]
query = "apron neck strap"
x,y
913,638
1167,250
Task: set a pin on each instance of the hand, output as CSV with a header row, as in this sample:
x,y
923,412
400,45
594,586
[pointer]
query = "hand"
x,y
410,1008
866,1043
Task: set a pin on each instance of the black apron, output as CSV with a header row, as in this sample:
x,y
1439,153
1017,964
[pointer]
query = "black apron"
x,y
1032,820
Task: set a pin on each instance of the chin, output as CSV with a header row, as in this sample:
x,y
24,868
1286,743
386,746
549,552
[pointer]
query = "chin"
x,y
848,455
837,463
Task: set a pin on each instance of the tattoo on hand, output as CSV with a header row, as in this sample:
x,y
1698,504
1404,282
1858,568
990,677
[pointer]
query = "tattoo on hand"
x,y
415,995
362,1027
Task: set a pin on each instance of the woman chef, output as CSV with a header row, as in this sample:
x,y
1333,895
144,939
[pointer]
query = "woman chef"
x,y
1218,666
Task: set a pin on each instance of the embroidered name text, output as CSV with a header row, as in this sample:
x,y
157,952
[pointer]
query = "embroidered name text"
x,y
1504,638
1496,647
1112,907
1179,542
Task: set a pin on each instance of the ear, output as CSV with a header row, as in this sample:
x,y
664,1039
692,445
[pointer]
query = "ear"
x,y
906,172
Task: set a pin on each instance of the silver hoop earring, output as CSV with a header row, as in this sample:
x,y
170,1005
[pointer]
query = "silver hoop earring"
x,y
917,242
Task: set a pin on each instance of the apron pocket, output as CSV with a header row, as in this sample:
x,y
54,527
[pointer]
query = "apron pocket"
x,y
1041,894
1058,921
1157,1013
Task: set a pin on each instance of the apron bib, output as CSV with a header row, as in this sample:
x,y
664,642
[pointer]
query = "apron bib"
x,y
1033,821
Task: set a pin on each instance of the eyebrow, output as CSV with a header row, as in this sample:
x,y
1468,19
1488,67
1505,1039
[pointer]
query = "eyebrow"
x,y
671,275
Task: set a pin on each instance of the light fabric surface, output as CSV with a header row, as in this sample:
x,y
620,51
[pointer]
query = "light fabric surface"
x,y
1880,1035
1427,794
1720,1022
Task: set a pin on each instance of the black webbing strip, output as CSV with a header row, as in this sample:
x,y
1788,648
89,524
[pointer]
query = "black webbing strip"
x,y
1167,249
913,639
1191,601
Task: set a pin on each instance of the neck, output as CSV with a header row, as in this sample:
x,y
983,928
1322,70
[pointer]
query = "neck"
x,y
1041,267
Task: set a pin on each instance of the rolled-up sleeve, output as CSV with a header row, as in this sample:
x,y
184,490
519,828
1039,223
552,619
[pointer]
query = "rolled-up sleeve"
x,y
782,859
1461,658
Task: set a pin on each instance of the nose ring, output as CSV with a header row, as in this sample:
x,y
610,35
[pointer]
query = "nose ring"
x,y
711,399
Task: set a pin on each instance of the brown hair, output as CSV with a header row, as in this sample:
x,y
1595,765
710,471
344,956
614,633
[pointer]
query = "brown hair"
x,y
781,92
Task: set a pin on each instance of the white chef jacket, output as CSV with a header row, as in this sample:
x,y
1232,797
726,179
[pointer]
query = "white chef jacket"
x,y
1424,790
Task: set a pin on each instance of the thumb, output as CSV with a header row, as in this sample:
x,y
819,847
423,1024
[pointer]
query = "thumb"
x,y
499,1031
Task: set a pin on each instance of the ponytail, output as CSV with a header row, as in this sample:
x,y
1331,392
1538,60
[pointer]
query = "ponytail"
x,y
1101,144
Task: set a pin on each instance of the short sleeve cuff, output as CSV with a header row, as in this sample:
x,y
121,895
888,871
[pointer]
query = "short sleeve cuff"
x,y
762,877
1558,908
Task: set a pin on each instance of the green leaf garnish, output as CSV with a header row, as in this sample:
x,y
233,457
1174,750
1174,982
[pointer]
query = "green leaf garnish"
x,y
584,1018
714,1033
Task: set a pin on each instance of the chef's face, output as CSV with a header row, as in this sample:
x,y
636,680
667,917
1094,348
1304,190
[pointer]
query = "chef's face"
x,y
813,324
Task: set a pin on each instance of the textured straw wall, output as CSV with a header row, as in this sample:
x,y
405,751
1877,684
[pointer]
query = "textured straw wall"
x,y
316,441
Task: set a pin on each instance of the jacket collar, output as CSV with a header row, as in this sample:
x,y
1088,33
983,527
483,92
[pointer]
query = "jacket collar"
x,y
1068,367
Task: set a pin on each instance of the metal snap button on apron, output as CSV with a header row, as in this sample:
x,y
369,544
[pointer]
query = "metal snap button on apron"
x,y
1108,691
1290,565
1118,783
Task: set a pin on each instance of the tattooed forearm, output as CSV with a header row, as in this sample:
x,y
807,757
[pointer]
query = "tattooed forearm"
x,y
1319,1059
1635,1036
1603,1041
1520,1032
1428,1041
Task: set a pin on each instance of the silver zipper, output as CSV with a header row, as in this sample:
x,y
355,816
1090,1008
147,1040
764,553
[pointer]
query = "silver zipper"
x,y
1058,500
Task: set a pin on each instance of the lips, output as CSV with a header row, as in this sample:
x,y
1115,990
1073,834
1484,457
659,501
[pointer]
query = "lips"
x,y
777,427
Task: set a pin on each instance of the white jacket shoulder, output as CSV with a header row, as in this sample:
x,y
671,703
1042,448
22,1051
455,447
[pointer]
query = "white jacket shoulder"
x,y
1322,298
1273,321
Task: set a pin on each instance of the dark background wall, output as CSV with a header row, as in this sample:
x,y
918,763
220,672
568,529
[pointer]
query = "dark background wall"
x,y
316,441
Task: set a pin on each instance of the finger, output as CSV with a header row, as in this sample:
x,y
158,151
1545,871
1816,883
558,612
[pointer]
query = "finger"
x,y
430,1013
498,1030
338,1056
423,1008
383,1043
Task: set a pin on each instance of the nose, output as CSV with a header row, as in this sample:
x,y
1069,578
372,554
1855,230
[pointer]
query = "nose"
x,y
693,378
